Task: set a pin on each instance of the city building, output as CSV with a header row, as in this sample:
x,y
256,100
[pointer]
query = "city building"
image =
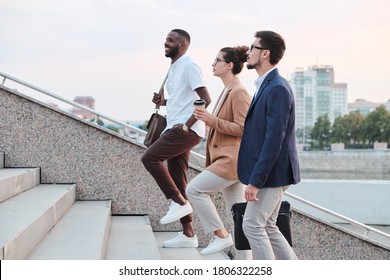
x,y
317,94
365,107
87,101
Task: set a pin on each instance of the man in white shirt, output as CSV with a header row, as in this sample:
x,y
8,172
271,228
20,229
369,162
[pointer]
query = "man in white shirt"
x,y
184,84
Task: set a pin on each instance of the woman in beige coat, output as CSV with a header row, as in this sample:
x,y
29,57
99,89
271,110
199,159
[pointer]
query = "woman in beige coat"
x,y
226,124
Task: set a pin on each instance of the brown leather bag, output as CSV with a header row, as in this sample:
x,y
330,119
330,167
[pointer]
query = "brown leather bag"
x,y
155,126
157,122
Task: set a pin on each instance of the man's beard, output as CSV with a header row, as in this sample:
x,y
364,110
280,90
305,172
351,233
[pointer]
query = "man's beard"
x,y
173,52
253,66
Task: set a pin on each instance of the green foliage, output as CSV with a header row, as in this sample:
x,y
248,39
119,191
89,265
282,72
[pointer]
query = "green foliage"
x,y
97,120
143,127
376,126
347,128
112,127
353,129
320,133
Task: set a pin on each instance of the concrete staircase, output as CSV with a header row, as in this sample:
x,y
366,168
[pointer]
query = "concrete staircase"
x,y
45,221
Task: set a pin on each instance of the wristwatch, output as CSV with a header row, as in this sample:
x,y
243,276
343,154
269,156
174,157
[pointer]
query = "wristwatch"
x,y
185,128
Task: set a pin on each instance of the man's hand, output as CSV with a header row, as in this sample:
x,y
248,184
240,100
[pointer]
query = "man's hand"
x,y
251,193
158,99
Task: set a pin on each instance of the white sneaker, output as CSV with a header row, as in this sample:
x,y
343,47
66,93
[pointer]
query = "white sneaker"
x,y
175,212
181,241
217,244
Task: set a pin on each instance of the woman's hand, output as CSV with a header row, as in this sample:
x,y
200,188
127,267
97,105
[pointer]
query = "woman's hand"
x,y
201,114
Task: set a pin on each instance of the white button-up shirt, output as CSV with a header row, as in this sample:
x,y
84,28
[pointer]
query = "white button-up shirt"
x,y
184,77
260,80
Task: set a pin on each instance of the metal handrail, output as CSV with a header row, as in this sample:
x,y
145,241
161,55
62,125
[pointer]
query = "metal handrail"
x,y
339,216
55,96
98,114
142,132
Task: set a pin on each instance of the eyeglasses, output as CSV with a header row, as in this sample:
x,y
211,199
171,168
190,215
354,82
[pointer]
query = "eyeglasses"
x,y
216,60
256,47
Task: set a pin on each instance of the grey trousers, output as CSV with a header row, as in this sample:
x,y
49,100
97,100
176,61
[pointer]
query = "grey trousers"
x,y
259,225
198,193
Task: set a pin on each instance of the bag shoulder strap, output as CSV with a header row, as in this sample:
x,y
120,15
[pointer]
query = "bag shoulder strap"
x,y
161,91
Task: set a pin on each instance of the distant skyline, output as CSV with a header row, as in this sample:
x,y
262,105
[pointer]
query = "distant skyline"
x,y
113,50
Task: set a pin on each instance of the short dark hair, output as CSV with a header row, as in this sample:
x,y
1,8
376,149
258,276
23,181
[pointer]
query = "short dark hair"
x,y
183,34
274,43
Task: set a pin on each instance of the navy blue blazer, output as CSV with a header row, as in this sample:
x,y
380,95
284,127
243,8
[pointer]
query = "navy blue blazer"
x,y
268,155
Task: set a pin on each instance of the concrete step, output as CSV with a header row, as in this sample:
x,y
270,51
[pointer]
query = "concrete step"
x,y
26,218
184,253
132,238
17,180
81,234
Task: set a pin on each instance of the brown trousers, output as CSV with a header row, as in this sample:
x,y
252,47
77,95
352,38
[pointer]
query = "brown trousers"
x,y
174,146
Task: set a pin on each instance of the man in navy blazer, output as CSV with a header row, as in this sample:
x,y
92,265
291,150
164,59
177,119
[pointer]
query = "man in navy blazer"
x,y
268,159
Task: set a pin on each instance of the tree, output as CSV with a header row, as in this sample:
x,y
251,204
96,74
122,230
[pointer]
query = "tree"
x,y
387,129
340,130
347,128
375,127
113,128
355,120
144,125
97,120
320,133
299,135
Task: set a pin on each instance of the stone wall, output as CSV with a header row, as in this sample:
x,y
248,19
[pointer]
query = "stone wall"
x,y
314,239
347,164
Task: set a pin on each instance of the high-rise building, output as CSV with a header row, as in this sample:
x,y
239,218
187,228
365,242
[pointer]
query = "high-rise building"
x,y
316,95
87,101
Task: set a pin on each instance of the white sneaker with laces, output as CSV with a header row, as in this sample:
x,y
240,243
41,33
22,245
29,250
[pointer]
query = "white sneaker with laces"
x,y
175,212
217,244
181,241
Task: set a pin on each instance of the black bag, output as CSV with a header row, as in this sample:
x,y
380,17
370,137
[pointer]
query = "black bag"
x,y
283,222
155,126
157,122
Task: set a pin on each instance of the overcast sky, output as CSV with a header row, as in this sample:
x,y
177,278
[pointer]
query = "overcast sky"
x,y
113,49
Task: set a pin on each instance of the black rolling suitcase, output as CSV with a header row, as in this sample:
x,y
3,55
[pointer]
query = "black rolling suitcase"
x,y
283,223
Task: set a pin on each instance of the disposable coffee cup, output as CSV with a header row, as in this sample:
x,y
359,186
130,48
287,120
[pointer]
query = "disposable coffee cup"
x,y
200,104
